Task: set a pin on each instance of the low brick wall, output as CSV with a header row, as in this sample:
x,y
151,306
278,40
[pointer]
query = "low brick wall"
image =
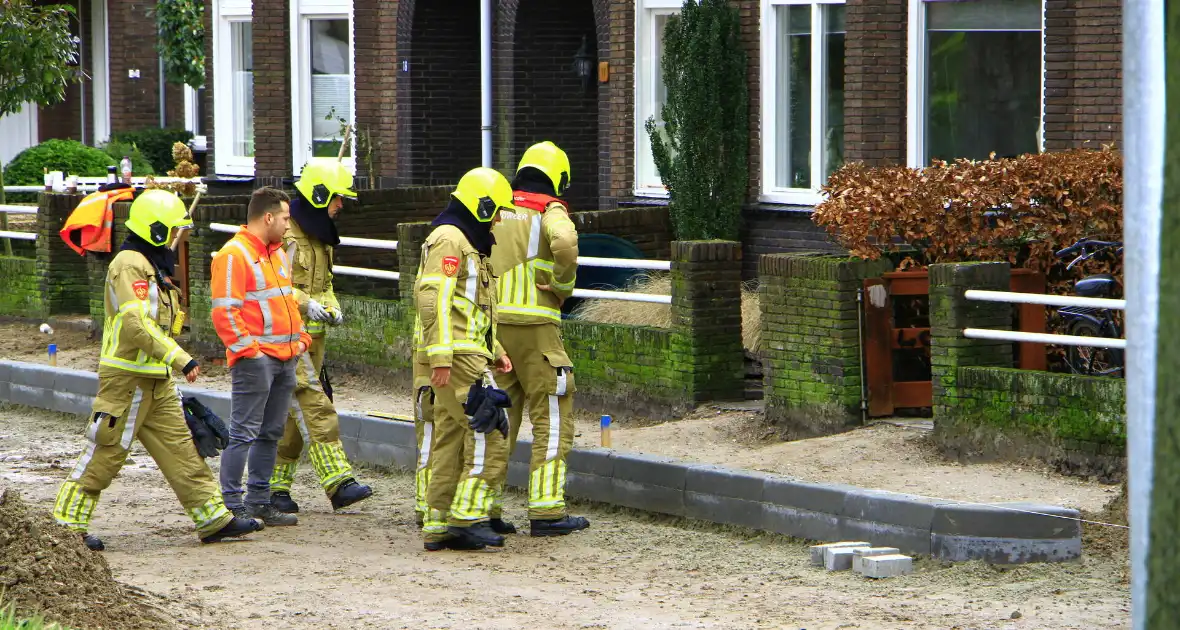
x,y
984,410
810,345
20,291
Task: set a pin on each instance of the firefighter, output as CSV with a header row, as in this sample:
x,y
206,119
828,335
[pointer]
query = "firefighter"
x,y
455,343
312,421
536,259
136,397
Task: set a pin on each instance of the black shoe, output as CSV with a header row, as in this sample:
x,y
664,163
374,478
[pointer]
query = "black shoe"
x,y
348,493
455,543
501,526
92,542
558,527
479,533
244,513
272,517
283,502
236,527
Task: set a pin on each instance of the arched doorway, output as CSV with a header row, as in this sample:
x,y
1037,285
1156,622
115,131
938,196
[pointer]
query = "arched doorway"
x,y
442,125
550,101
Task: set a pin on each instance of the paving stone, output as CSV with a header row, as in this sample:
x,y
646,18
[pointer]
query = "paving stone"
x,y
840,558
800,523
387,432
859,555
887,566
723,509
817,551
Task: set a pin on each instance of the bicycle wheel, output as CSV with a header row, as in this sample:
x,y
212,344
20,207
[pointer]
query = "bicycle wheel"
x,y
1090,360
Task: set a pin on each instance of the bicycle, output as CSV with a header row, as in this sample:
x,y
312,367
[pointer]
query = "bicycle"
x,y
1089,321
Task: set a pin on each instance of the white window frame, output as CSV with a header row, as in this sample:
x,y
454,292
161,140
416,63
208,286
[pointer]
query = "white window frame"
x,y
226,12
916,85
302,12
100,66
770,78
645,85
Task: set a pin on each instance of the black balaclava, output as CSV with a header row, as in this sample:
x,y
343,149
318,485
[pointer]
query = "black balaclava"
x,y
161,256
532,180
478,234
315,221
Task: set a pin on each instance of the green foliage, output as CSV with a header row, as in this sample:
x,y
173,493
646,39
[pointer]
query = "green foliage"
x,y
9,621
36,50
71,156
182,40
140,166
702,151
156,144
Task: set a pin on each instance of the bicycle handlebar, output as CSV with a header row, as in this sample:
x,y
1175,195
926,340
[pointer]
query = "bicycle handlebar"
x,y
1083,244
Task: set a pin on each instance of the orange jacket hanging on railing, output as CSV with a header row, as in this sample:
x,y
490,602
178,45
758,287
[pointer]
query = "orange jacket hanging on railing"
x,y
88,227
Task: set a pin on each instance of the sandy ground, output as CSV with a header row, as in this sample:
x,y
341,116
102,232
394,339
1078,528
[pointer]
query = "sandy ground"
x,y
886,456
367,569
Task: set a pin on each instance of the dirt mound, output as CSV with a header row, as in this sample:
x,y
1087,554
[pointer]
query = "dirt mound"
x,y
1102,539
45,569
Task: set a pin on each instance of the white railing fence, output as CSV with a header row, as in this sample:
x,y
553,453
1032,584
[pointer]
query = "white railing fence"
x,y
583,261
1048,300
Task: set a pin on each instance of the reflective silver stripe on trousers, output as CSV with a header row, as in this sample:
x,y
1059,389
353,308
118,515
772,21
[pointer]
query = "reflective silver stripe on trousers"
x,y
132,417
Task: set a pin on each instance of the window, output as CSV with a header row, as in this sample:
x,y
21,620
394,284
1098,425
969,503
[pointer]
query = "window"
x,y
233,63
650,92
976,82
322,79
803,105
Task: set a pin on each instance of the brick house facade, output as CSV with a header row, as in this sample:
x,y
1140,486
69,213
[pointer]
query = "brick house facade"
x,y
416,88
120,78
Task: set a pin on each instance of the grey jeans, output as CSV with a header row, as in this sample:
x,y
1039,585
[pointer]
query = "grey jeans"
x,y
262,389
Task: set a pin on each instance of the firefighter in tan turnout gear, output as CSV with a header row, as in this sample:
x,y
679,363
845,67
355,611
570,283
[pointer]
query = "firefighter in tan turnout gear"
x,y
536,258
136,396
455,342
313,421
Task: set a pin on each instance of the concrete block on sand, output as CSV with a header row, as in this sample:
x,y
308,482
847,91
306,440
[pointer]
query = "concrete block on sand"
x,y
888,566
817,551
858,556
840,558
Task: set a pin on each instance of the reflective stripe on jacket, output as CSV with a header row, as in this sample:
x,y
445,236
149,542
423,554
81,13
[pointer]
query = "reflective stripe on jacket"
x,y
254,307
311,274
455,299
140,316
536,243
88,228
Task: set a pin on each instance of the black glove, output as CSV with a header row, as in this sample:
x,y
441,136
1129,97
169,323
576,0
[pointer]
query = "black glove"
x,y
209,433
485,409
326,381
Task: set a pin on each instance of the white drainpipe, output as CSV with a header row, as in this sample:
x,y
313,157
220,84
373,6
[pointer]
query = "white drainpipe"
x,y
485,68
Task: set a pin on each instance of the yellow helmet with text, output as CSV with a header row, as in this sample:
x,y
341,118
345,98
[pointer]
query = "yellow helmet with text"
x,y
483,191
154,214
550,160
323,177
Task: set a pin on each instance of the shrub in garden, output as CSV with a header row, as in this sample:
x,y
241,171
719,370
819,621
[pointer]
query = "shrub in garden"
x,y
155,143
71,156
140,166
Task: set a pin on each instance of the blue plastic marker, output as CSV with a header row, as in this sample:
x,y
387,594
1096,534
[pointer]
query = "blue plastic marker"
x,y
606,432
53,354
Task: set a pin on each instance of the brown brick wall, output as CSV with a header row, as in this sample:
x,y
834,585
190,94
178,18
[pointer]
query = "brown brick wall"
x,y
751,12
1083,73
875,81
207,126
135,103
622,98
272,90
377,68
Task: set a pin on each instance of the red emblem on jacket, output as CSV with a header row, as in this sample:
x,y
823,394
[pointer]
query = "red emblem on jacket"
x,y
141,289
450,265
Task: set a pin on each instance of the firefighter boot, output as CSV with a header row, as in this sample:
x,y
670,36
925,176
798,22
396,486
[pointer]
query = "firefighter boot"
x,y
480,533
501,526
558,527
348,493
454,543
283,502
233,529
92,542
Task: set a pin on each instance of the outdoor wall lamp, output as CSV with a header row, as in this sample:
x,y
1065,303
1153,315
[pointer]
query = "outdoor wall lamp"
x,y
584,65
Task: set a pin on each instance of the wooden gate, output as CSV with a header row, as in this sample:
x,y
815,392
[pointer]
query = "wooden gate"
x,y
897,337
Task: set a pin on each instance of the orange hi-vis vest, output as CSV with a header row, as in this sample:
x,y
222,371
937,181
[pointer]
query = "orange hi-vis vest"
x,y
88,227
254,306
